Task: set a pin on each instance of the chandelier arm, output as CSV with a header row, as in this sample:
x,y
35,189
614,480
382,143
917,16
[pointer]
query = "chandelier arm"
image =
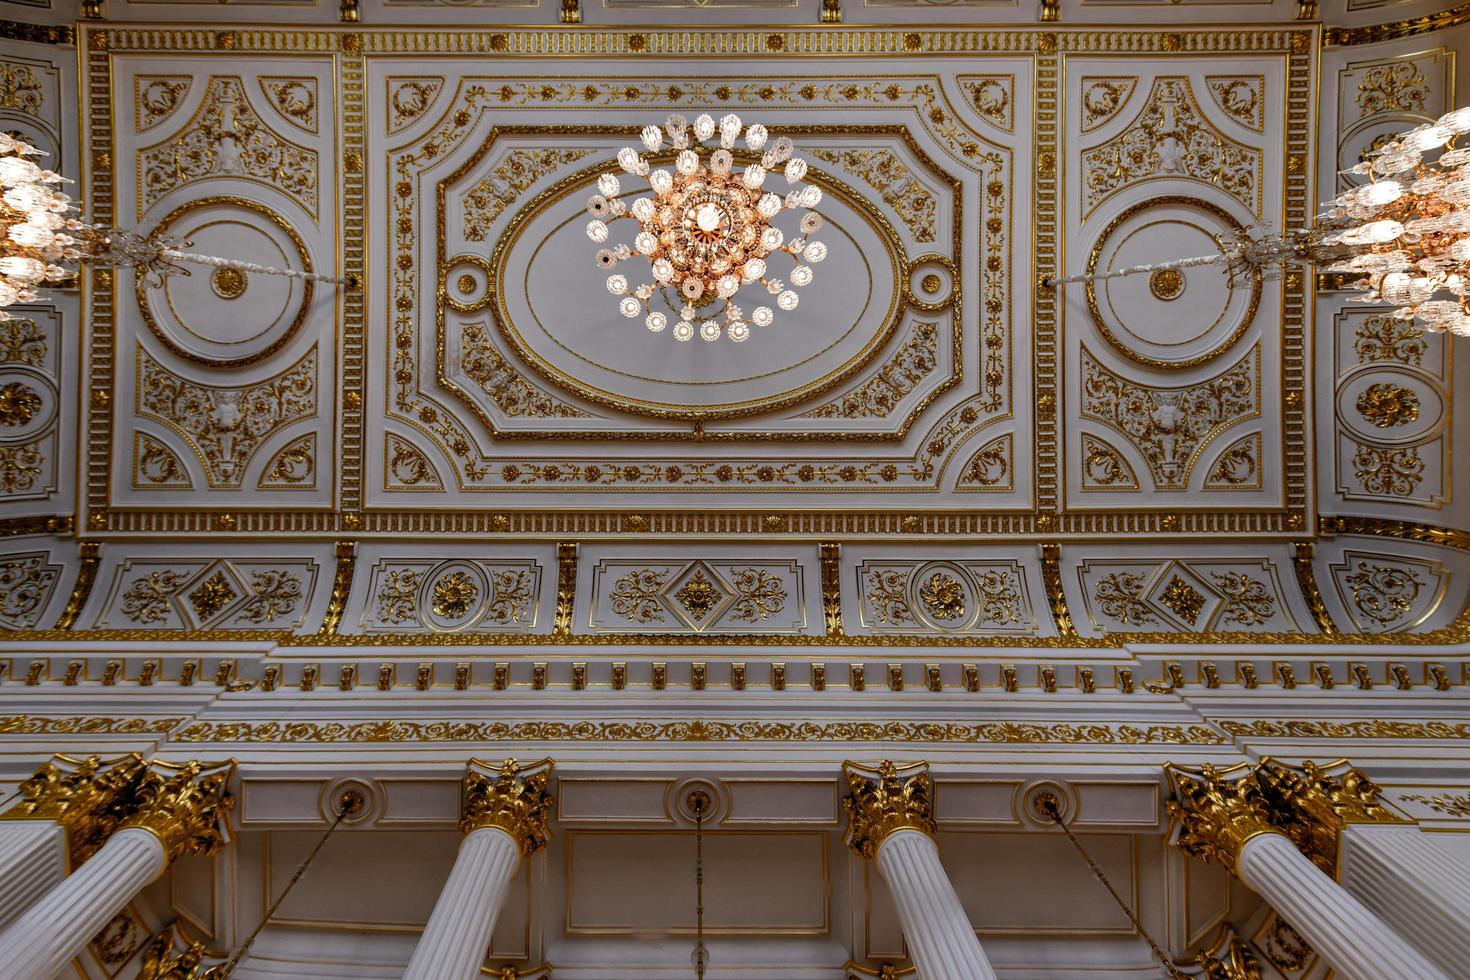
x,y
1131,270
177,255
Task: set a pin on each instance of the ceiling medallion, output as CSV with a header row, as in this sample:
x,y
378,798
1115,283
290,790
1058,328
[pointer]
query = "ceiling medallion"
x,y
707,231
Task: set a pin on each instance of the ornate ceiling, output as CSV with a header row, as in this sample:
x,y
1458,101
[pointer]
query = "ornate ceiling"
x,y
464,507
990,459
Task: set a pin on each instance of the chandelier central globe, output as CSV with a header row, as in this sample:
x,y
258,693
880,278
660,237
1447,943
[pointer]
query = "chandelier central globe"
x,y
707,231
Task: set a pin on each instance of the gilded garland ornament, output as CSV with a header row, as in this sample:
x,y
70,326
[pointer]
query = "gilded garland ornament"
x,y
707,232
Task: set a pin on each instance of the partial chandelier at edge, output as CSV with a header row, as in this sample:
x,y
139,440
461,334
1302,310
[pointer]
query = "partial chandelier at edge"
x,y
708,231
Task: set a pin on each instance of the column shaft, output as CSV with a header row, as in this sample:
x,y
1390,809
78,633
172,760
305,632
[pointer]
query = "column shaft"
x,y
1418,882
32,862
1355,942
940,939
40,944
454,942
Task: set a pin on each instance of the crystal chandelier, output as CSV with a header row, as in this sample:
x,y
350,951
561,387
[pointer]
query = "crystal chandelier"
x,y
38,233
1406,232
707,231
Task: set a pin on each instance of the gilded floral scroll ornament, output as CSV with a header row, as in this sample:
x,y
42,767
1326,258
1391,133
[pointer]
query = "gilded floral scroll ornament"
x,y
635,596
147,599
1104,468
512,798
20,467
20,89
887,596
1238,467
398,596
157,466
273,595
1241,97
1247,600
990,97
517,173
758,595
884,800
1447,803
227,425
157,97
506,386
881,169
22,342
294,98
1103,98
407,468
26,584
1382,337
293,467
990,466
1395,472
1172,138
1168,426
227,138
877,397
1398,86
1384,594
511,596
1119,596
409,99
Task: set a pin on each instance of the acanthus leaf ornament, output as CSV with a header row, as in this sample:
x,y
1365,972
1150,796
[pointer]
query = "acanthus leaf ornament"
x,y
512,798
707,232
1215,812
87,797
884,800
186,807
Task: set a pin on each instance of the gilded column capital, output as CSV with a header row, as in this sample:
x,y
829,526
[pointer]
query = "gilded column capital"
x,y
87,797
1214,812
886,799
187,807
1312,804
512,798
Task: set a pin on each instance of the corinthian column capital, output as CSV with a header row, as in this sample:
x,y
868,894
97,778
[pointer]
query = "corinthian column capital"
x,y
511,798
186,807
884,800
1312,804
1215,811
87,797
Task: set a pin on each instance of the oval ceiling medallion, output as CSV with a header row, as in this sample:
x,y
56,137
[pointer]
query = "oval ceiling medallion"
x,y
222,317
552,311
1171,318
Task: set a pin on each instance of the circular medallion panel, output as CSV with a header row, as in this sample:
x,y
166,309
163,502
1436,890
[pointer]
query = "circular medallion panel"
x,y
1168,318
553,310
227,317
1390,406
27,404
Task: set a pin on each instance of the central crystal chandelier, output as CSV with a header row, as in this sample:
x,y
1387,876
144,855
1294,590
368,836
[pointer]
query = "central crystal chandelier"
x,y
1405,232
38,233
707,231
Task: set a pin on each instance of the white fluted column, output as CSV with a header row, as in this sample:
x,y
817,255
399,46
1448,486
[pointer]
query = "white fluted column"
x,y
1355,942
505,817
940,939
32,862
39,944
1417,882
458,934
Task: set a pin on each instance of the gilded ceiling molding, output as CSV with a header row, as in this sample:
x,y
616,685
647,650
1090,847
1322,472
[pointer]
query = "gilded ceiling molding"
x,y
512,798
82,588
1449,537
19,526
1374,729
1393,30
341,587
37,33
886,799
86,725
986,733
1306,578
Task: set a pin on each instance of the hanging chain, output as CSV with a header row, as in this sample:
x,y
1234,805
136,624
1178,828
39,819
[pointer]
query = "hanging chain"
x,y
699,803
351,802
1047,805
